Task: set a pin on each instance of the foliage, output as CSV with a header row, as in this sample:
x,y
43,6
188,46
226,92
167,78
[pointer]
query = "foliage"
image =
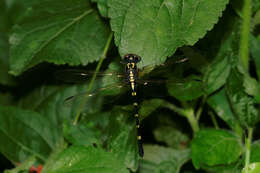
x,y
199,106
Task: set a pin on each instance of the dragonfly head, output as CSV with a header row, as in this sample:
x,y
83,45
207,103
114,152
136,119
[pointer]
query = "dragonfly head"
x,y
131,58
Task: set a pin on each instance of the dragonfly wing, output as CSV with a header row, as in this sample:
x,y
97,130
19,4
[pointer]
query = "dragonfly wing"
x,y
162,67
83,98
147,82
79,76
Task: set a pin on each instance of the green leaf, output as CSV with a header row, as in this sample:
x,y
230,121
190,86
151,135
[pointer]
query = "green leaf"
x,y
49,101
155,29
253,168
173,137
162,159
212,147
220,104
102,7
255,152
242,104
81,134
85,160
122,139
57,31
24,133
218,71
59,148
189,90
231,168
251,86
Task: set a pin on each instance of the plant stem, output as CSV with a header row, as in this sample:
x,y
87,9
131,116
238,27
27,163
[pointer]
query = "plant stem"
x,y
244,41
198,114
213,118
189,112
190,115
248,148
103,56
176,109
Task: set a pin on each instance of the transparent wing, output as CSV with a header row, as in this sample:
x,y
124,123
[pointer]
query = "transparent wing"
x,y
162,67
175,80
79,76
83,98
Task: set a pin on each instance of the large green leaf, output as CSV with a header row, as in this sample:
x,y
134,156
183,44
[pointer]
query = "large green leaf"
x,y
122,139
85,160
49,101
155,29
212,147
57,31
24,133
242,104
162,159
220,104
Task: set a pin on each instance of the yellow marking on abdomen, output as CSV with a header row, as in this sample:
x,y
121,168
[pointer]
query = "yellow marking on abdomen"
x,y
136,115
133,93
133,86
139,137
135,104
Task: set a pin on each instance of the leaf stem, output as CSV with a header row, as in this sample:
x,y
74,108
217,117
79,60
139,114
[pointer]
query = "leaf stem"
x,y
248,141
103,56
244,41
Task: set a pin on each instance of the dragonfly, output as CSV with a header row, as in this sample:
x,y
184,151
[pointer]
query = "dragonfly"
x,y
130,78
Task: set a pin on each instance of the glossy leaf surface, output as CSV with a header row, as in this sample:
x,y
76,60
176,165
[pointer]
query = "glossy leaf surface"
x,y
162,159
60,32
85,160
155,29
25,133
212,147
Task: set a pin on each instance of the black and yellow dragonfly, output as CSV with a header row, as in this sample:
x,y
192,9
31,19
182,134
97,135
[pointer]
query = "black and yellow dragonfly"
x,y
130,78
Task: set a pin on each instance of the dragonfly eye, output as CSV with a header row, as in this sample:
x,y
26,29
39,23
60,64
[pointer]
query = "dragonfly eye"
x,y
137,58
130,58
